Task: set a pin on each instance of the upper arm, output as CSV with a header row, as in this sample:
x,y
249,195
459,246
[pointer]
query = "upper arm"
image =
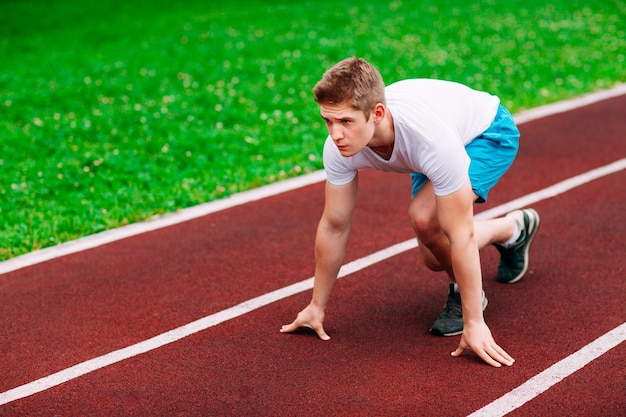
x,y
339,204
456,213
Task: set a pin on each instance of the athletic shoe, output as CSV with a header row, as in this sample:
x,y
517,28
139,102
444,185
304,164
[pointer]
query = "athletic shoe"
x,y
514,259
450,321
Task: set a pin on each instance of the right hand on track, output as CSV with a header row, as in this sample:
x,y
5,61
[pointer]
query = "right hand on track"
x,y
311,317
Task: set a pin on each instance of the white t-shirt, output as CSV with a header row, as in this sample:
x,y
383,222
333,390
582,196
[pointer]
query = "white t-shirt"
x,y
433,121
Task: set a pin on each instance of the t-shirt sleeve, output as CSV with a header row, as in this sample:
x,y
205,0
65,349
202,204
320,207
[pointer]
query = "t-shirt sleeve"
x,y
446,166
338,171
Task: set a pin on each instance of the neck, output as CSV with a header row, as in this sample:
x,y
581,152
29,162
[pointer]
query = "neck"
x,y
384,137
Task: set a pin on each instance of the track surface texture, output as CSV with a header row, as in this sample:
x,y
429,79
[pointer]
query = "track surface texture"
x,y
381,361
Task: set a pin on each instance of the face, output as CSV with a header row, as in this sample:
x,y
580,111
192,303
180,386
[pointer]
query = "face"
x,y
347,127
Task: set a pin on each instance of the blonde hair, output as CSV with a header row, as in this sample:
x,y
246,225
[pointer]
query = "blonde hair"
x,y
352,81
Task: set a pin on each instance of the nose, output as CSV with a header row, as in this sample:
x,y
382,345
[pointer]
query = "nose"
x,y
336,132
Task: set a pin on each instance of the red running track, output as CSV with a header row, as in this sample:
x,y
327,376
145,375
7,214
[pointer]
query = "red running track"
x,y
381,361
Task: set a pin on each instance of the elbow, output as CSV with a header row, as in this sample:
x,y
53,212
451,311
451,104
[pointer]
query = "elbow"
x,y
334,224
462,237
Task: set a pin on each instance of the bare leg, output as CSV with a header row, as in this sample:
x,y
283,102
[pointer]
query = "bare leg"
x,y
497,230
434,244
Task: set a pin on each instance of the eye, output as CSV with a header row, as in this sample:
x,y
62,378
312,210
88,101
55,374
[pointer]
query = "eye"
x,y
346,121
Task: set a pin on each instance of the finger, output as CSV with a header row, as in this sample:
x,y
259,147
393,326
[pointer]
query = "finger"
x,y
488,359
462,346
322,334
458,351
494,355
499,354
295,326
287,328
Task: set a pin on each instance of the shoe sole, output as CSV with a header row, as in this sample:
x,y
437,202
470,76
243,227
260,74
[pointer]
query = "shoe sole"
x,y
438,333
533,226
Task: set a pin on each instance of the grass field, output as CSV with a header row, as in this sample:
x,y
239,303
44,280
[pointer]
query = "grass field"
x,y
112,112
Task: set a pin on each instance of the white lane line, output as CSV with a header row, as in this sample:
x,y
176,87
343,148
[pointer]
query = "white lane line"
x,y
568,105
204,323
554,190
189,329
158,222
553,375
191,213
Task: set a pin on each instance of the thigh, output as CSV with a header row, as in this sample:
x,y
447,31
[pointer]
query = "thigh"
x,y
423,214
423,207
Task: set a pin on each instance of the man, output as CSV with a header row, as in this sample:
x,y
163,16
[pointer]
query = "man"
x,y
456,143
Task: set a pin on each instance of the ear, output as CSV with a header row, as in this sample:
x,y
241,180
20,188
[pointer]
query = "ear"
x,y
379,113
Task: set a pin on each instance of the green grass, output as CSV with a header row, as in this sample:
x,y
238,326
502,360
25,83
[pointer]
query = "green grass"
x,y
112,113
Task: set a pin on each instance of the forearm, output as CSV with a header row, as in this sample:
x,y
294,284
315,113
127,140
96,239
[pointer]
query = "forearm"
x,y
330,250
456,217
467,272
476,335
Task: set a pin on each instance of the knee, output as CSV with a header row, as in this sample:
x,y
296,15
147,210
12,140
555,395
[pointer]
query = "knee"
x,y
424,224
429,235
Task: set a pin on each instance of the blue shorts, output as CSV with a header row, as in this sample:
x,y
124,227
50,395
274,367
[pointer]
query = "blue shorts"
x,y
491,154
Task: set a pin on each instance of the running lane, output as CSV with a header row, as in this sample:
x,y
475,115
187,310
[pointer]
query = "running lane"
x,y
381,360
